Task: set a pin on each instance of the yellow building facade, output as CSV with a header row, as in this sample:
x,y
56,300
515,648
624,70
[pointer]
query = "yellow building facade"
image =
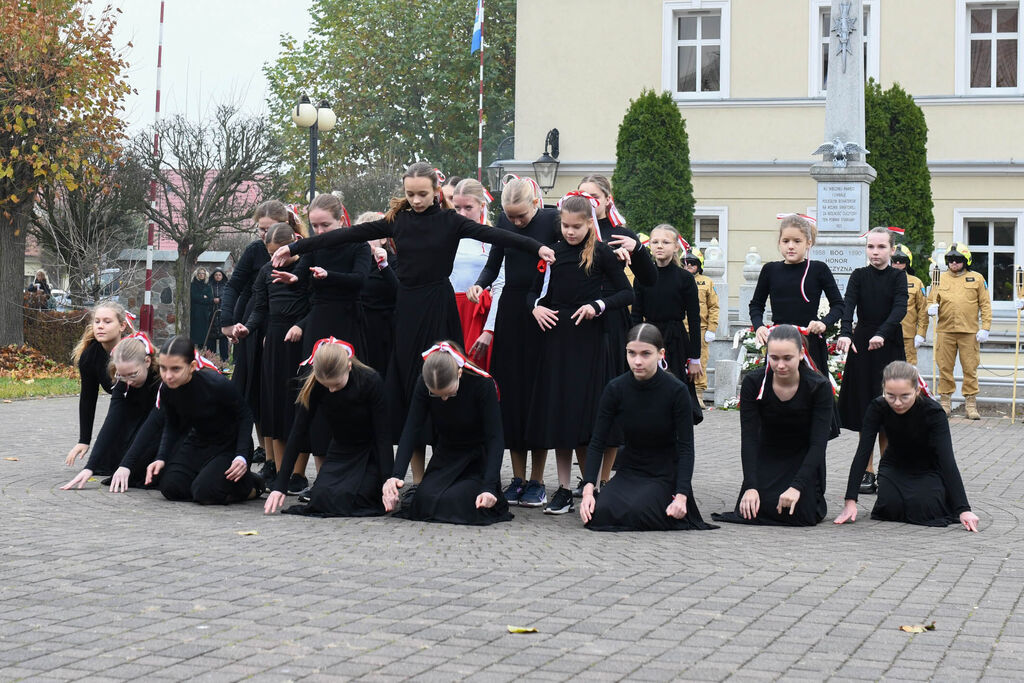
x,y
748,78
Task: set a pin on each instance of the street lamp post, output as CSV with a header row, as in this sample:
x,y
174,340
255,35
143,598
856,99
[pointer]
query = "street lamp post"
x,y
546,167
317,119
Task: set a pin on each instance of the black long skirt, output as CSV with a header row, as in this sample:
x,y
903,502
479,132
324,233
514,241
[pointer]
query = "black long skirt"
x,y
572,370
424,315
347,485
247,370
862,377
912,497
449,489
674,335
380,334
279,380
616,325
517,346
776,471
632,501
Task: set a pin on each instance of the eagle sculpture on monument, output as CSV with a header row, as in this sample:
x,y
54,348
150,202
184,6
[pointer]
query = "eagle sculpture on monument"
x,y
839,152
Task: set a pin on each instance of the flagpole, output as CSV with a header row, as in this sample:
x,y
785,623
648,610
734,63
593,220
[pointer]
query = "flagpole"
x,y
480,109
146,312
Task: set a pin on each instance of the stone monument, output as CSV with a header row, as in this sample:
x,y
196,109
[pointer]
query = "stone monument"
x,y
714,268
843,176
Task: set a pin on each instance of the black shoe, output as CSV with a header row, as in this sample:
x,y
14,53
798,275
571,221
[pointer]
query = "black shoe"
x,y
576,492
561,502
106,482
869,484
259,487
304,495
406,493
297,484
269,471
259,456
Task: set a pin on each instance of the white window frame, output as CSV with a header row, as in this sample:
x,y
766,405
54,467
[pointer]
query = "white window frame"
x,y
670,64
871,47
960,218
962,78
722,214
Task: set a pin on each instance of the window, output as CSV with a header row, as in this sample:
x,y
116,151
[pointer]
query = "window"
x,y
989,58
696,49
705,229
711,222
991,235
821,35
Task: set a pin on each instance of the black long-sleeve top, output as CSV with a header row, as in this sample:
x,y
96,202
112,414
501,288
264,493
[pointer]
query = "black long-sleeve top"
x,y
210,408
469,420
880,300
571,286
235,301
278,300
673,297
347,268
781,280
771,430
520,267
381,287
657,423
358,422
128,405
426,242
93,369
149,433
919,441
644,270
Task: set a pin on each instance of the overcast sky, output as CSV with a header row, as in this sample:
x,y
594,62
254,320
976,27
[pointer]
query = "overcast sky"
x,y
214,51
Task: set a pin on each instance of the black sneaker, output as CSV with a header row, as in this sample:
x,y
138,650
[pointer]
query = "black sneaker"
x,y
297,484
304,495
259,487
269,471
578,491
561,502
869,484
259,455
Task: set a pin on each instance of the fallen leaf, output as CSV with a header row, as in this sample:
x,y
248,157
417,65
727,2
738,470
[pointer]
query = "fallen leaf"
x,y
521,629
28,381
6,401
91,479
248,533
918,628
14,459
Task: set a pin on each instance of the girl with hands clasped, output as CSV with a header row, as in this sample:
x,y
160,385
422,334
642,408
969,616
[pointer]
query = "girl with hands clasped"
x,y
918,480
350,396
572,363
651,488
877,293
786,410
462,483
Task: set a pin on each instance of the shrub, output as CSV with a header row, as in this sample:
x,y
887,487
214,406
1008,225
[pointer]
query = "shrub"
x,y
54,333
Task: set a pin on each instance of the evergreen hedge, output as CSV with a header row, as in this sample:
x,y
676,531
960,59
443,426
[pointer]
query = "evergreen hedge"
x,y
652,180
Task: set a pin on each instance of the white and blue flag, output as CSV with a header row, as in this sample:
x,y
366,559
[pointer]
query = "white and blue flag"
x,y
478,27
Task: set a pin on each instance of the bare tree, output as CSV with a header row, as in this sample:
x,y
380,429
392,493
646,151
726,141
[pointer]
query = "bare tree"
x,y
210,176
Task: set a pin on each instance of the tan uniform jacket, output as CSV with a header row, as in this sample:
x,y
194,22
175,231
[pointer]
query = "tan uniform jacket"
x,y
961,298
915,322
708,298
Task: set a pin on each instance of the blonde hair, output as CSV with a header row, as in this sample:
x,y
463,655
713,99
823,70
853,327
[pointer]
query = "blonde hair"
x,y
581,205
279,233
521,191
808,228
279,212
420,169
330,203
884,231
88,337
46,278
440,369
200,269
900,370
601,181
330,362
368,216
677,258
130,351
469,187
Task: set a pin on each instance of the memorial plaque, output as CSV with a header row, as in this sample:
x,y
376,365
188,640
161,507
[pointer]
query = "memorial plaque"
x,y
839,207
841,259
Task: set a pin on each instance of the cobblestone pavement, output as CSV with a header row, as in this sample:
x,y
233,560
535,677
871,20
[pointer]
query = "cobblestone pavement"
x,y
100,586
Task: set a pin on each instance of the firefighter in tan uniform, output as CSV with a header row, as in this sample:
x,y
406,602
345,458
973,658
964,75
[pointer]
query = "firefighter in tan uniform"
x,y
958,300
915,322
693,261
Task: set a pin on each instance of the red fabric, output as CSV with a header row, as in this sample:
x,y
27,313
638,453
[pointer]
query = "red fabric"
x,y
473,318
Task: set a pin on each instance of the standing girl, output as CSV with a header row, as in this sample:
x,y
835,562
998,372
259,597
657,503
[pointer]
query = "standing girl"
x,y
204,412
651,490
378,299
462,483
786,411
359,456
517,338
572,367
279,307
107,324
877,293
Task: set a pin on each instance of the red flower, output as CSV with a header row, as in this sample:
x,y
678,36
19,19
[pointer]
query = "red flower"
x,y
542,265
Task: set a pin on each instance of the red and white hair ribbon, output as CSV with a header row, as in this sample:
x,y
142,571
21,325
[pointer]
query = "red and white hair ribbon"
x,y
344,214
890,228
293,209
441,177
593,208
487,195
923,387
130,317
780,216
329,340
683,244
460,360
513,176
616,218
141,336
806,360
202,362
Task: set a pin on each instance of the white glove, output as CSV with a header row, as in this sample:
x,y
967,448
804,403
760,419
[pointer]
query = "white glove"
x,y
982,335
1019,303
918,340
933,309
709,336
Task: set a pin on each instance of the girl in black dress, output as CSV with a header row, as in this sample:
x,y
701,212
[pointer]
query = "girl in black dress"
x,y
572,366
207,436
278,307
878,294
107,324
517,338
786,410
795,286
611,228
651,489
359,457
462,483
918,480
378,299
426,236
136,379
